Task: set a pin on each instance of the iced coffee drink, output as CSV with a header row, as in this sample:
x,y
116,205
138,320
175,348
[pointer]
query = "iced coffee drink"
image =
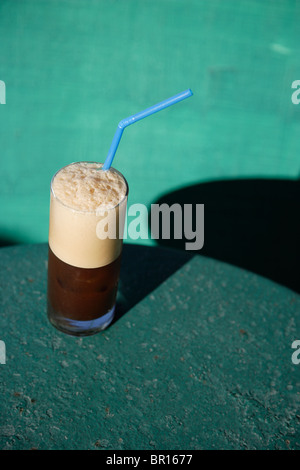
x,y
87,214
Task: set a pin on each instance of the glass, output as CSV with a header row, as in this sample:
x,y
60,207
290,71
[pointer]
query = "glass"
x,y
84,261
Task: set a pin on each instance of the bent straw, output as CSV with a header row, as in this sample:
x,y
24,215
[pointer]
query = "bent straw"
x,y
137,117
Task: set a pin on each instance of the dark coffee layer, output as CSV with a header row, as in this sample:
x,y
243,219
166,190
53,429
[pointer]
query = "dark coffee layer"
x,y
81,294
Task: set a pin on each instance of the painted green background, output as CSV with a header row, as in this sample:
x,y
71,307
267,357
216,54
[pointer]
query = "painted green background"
x,y
74,68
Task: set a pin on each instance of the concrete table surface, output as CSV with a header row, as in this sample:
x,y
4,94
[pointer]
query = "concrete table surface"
x,y
199,357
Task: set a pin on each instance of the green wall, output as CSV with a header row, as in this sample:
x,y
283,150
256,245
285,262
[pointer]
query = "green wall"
x,y
74,69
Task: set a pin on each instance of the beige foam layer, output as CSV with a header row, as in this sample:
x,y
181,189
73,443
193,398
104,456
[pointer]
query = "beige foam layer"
x,y
82,186
77,236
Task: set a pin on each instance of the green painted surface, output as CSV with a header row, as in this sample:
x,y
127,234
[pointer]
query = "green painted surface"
x,y
203,361
73,69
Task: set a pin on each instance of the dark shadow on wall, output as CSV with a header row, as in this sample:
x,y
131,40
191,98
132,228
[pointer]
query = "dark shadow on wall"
x,y
7,239
250,223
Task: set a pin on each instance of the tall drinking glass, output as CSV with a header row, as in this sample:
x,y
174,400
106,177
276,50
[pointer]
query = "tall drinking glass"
x,y
87,216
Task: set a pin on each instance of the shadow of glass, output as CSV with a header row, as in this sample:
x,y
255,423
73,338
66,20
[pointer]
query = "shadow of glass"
x,y
143,269
250,223
7,241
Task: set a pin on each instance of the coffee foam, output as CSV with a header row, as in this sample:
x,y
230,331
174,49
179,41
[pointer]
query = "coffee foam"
x,y
83,187
79,192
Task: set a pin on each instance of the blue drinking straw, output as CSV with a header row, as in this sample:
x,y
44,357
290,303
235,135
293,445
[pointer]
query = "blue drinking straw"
x,y
137,117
